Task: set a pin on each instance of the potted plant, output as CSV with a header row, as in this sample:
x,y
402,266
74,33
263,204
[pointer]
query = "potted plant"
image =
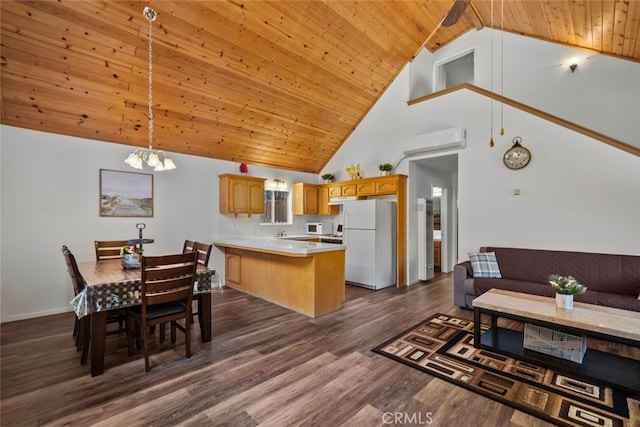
x,y
385,168
566,287
328,177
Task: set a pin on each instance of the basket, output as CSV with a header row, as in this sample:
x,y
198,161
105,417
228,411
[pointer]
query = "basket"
x,y
555,343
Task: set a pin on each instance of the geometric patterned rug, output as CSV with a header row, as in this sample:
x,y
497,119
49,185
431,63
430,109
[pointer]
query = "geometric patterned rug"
x,y
442,346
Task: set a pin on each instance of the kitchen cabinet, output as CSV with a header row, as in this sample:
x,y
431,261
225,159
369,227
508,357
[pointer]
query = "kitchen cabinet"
x,y
311,283
305,199
377,186
387,185
241,194
343,190
323,202
232,268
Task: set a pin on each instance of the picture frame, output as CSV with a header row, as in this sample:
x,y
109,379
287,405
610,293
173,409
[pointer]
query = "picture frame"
x,y
125,194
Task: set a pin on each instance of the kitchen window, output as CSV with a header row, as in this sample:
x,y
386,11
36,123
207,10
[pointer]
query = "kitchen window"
x,y
277,207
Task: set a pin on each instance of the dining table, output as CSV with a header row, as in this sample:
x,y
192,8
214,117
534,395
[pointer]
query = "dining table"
x,y
110,286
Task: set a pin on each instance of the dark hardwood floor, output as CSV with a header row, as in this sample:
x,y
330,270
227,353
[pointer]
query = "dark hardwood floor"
x,y
266,366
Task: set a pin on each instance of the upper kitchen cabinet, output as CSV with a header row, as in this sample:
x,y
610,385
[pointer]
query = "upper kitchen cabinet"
x,y
324,208
241,194
305,199
378,186
345,189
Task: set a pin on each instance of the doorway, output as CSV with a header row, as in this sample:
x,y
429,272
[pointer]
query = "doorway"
x,y
435,178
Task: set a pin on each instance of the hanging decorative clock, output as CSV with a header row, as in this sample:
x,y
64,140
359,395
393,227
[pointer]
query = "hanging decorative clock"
x,y
517,156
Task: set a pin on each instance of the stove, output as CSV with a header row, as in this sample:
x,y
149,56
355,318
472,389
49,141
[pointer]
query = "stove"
x,y
332,238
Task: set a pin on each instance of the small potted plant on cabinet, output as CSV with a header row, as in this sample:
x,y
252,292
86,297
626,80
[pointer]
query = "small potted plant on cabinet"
x,y
385,168
328,177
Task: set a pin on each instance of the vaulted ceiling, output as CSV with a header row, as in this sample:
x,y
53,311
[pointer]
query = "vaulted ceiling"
x,y
273,83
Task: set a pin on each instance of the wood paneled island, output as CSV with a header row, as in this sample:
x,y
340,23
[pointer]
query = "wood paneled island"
x,y
306,277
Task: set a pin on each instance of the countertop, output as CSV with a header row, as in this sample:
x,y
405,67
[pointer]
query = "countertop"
x,y
282,246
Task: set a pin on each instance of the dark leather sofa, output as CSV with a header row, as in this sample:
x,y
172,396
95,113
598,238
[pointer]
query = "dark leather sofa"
x,y
611,280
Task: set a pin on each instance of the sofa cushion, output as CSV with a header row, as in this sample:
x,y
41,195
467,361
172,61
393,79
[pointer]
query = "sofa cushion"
x,y
484,264
482,285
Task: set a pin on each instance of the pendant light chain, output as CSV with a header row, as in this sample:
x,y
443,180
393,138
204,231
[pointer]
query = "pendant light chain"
x,y
156,159
151,16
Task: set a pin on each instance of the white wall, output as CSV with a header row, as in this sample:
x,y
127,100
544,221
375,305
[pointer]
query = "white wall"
x,y
603,94
576,194
50,192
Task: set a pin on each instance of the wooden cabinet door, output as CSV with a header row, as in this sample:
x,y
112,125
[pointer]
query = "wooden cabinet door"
x,y
311,200
387,185
366,188
335,190
323,202
298,198
232,268
305,199
238,201
255,199
349,189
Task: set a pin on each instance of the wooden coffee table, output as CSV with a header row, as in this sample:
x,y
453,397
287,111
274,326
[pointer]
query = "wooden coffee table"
x,y
595,321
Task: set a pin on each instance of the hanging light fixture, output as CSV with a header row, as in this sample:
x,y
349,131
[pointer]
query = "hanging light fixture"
x,y
156,159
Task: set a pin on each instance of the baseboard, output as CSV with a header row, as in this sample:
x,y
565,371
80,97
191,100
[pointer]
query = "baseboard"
x,y
26,316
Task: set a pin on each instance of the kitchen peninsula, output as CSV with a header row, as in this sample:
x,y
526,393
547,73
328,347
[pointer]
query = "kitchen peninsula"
x,y
306,277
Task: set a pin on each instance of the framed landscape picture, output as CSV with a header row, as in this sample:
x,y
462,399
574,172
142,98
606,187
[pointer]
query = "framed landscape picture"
x,y
126,194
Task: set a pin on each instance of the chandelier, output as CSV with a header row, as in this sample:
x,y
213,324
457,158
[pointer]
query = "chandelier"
x,y
156,159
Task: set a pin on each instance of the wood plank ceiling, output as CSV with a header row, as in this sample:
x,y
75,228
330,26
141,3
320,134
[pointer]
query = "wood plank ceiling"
x,y
273,83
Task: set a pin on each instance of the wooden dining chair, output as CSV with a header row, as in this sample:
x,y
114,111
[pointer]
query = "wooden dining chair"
x,y
167,292
109,249
81,328
204,252
189,246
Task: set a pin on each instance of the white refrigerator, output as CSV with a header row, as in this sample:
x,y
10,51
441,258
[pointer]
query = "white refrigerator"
x,y
370,236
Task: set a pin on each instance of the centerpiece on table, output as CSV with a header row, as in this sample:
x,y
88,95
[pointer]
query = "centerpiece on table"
x,y
566,287
131,256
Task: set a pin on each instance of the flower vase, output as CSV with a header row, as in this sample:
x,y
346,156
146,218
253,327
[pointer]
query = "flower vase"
x,y
129,258
564,302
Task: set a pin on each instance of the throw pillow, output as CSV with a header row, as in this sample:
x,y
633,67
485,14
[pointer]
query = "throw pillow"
x,y
485,264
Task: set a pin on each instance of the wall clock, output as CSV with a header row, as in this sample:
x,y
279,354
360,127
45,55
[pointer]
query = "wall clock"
x,y
517,156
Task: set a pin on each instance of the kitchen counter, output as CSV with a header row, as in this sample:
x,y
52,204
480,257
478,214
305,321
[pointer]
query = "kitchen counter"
x,y
306,277
286,246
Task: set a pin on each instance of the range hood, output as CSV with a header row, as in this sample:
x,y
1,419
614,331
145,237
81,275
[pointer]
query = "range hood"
x,y
340,200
